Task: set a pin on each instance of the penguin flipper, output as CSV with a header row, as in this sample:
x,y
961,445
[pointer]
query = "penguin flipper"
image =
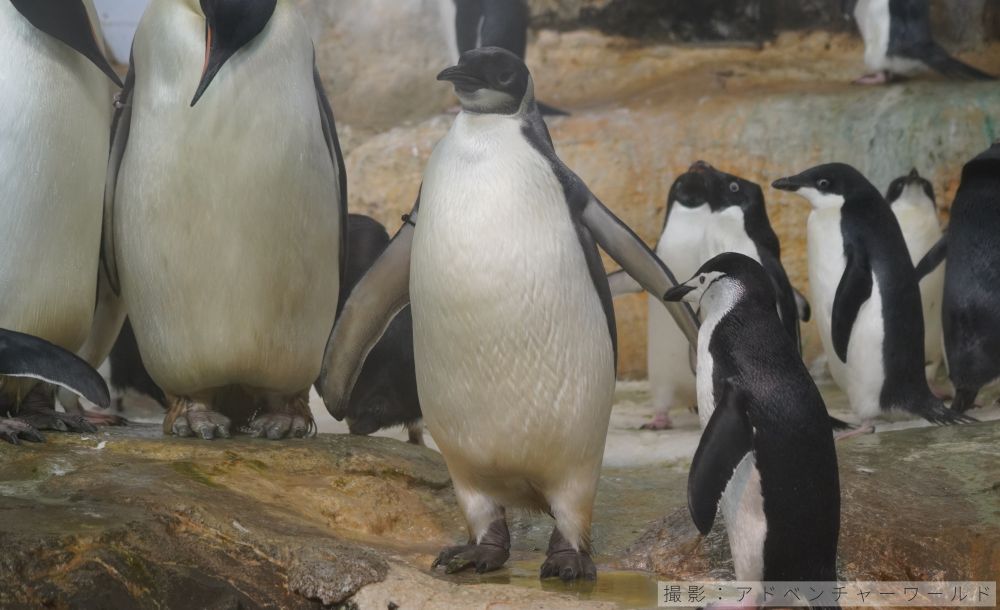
x,y
938,59
374,302
121,123
336,156
854,289
802,303
622,283
24,355
727,439
934,257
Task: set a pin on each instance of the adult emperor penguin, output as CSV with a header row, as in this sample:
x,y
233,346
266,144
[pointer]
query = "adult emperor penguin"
x,y
513,326
911,198
24,357
865,295
496,23
766,456
970,312
385,394
55,113
225,210
898,41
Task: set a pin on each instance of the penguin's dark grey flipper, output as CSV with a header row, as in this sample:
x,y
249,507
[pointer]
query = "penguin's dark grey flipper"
x,y
934,257
121,123
622,283
854,289
336,156
468,16
23,355
727,438
381,294
802,303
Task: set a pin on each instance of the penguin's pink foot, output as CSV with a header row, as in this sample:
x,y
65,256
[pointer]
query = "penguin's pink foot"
x,y
866,427
103,419
276,426
875,78
188,418
489,555
14,431
660,421
566,563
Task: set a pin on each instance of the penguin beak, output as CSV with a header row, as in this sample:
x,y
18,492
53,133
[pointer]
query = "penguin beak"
x,y
786,184
215,58
678,292
462,78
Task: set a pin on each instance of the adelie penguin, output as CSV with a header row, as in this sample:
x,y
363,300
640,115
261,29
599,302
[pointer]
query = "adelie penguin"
x,y
513,327
229,264
708,212
971,307
766,456
865,296
56,90
898,42
911,198
495,23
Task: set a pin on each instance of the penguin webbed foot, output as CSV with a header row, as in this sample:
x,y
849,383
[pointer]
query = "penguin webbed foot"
x,y
193,419
488,555
881,77
277,426
566,563
14,431
661,421
40,413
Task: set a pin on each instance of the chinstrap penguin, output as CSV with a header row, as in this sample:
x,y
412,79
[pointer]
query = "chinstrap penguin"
x,y
513,326
865,295
766,456
224,261
898,42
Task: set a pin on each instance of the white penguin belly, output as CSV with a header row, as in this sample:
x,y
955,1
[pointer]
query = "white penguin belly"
x,y
668,363
227,223
514,360
742,506
874,24
862,376
921,230
55,115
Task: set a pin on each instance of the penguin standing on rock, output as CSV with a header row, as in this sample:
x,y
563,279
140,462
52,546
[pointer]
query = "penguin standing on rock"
x,y
225,212
865,295
898,42
766,456
513,326
55,115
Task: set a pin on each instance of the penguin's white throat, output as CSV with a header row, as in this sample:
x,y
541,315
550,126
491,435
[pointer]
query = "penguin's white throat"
x,y
820,200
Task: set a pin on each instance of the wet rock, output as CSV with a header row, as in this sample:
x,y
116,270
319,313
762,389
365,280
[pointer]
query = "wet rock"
x,y
919,504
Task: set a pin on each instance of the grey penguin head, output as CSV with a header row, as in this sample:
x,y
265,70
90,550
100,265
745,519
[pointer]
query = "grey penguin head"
x,y
826,186
489,80
910,188
229,26
722,282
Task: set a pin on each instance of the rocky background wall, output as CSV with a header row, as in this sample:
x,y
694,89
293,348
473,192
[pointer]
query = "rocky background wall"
x,y
757,88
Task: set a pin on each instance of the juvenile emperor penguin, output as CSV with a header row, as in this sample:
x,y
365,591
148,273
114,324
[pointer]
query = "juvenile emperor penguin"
x,y
911,198
513,327
24,357
708,212
385,394
226,212
496,23
55,114
865,295
971,307
898,42
766,456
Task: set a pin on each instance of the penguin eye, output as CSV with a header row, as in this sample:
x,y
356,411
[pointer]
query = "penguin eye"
x,y
506,78
701,279
734,187
822,183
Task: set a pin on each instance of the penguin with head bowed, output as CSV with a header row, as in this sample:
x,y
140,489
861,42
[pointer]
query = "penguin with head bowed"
x,y
898,42
226,204
865,293
513,328
496,23
911,198
56,93
766,456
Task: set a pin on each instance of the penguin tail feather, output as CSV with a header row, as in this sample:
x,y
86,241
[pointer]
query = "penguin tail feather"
x,y
965,399
547,110
840,425
938,59
934,411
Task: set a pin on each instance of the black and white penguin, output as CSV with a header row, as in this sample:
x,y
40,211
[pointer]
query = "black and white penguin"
x,y
898,41
911,198
513,325
56,92
385,394
496,23
223,260
865,295
970,312
766,456
31,358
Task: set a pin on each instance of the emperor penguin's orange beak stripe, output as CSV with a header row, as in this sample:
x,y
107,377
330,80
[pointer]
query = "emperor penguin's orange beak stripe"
x,y
208,48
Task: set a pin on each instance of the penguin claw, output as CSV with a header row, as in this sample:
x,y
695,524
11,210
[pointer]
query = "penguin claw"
x,y
205,424
277,426
13,431
569,565
49,419
483,557
660,421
